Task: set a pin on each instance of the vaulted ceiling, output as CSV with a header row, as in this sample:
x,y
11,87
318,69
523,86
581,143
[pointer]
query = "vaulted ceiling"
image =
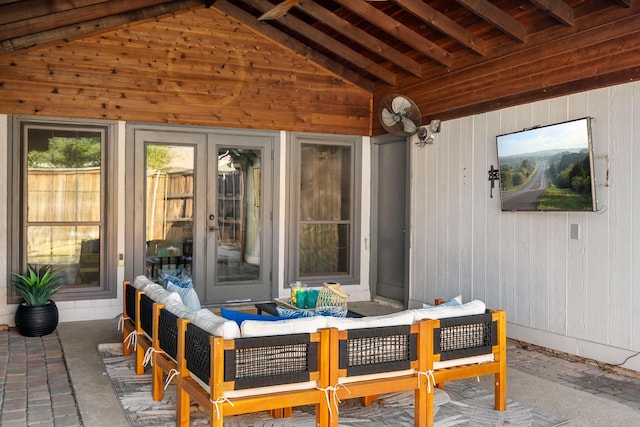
x,y
452,57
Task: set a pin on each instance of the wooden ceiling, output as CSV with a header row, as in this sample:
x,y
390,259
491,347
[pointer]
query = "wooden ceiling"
x,y
452,57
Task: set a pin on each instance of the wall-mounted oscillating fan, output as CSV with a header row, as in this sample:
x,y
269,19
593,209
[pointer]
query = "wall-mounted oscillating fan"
x,y
401,117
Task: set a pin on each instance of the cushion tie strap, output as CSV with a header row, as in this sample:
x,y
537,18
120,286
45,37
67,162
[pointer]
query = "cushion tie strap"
x,y
121,321
172,374
334,397
148,356
131,339
430,379
218,401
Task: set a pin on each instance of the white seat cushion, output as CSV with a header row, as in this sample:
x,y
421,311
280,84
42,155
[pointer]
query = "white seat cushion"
x,y
141,282
439,312
216,325
301,325
405,317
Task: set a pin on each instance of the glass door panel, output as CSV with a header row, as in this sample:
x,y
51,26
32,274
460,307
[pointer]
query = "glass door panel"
x,y
239,188
169,210
238,234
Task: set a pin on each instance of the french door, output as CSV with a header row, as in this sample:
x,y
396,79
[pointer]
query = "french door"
x,y
206,211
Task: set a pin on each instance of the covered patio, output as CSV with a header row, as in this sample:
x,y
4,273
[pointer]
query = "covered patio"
x,y
199,73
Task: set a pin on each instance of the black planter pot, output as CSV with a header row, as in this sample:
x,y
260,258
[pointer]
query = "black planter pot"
x,y
36,321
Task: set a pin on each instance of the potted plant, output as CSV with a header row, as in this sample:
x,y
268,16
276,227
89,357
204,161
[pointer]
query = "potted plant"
x,y
37,315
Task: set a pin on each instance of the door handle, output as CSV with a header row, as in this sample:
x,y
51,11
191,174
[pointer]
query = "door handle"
x,y
212,227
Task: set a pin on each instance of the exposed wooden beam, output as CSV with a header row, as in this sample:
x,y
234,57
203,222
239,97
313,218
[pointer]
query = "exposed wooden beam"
x,y
398,30
329,43
558,9
17,11
361,37
94,26
442,23
70,17
283,39
496,17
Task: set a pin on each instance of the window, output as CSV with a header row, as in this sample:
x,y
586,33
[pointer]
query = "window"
x,y
325,191
60,217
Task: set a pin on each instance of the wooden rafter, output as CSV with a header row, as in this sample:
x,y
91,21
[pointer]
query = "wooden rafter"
x,y
68,17
291,43
496,17
361,37
398,30
328,43
93,26
558,9
442,23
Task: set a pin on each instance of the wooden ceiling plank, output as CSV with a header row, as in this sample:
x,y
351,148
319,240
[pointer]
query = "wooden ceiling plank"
x,y
329,43
558,9
442,23
94,26
496,17
361,37
398,30
288,42
72,16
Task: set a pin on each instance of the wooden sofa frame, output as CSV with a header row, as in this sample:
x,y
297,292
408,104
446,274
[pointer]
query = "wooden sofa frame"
x,y
463,337
164,348
394,357
128,316
429,343
212,357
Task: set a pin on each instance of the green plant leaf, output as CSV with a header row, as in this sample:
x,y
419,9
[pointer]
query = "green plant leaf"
x,y
38,286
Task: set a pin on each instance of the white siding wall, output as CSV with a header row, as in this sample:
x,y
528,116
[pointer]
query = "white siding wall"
x,y
580,296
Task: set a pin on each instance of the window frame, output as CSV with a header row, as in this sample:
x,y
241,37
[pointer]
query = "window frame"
x,y
17,219
296,140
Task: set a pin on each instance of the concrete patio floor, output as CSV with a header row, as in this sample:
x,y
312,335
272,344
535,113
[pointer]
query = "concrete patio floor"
x,y
577,391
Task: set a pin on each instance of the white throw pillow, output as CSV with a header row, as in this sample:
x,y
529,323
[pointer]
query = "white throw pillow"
x,y
216,325
405,317
456,301
440,312
301,325
188,295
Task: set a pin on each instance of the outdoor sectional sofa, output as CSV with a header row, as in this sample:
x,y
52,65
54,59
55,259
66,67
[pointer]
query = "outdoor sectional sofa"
x,y
319,361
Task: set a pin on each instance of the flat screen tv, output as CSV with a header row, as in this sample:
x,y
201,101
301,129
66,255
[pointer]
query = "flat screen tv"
x,y
547,168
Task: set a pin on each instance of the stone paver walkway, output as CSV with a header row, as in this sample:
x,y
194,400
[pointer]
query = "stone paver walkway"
x,y
36,390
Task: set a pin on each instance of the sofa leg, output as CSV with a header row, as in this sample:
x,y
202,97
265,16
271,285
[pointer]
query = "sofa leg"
x,y
182,408
156,382
281,412
368,400
500,378
139,360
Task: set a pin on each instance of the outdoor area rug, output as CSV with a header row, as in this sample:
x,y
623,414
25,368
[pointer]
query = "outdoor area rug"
x,y
460,403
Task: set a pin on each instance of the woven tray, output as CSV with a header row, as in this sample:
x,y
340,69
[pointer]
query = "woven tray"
x,y
286,303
